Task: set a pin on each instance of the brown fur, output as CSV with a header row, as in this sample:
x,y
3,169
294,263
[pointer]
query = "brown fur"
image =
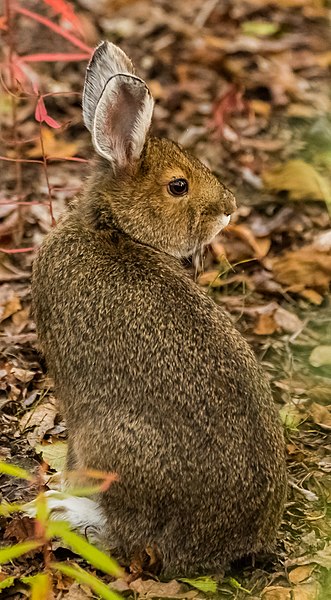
x,y
155,382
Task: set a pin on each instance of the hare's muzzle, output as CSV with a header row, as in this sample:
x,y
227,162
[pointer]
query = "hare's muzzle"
x,y
230,205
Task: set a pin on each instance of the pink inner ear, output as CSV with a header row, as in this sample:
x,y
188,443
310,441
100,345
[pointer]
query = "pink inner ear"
x,y
121,116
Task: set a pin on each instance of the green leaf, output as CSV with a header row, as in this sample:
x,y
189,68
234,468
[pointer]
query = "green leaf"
x,y
81,576
14,471
78,544
40,584
6,508
8,554
6,583
259,28
236,585
42,510
290,416
204,584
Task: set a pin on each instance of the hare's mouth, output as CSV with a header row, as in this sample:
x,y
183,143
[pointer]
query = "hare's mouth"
x,y
221,222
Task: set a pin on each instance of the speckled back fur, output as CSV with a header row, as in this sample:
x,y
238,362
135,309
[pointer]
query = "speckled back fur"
x,y
155,381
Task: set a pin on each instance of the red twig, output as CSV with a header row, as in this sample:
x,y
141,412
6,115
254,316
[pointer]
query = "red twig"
x,y
17,250
50,203
54,57
56,28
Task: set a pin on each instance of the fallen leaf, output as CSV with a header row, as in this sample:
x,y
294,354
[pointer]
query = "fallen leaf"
x,y
287,320
299,574
321,415
321,557
307,591
299,179
77,592
322,241
259,28
54,146
290,416
9,306
312,296
265,325
274,318
304,268
22,375
156,589
42,418
320,356
204,584
20,529
274,592
55,455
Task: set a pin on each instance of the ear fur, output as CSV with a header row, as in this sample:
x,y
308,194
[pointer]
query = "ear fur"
x,y
107,60
117,106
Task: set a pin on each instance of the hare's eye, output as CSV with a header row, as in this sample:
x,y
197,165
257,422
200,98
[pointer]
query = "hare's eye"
x,y
178,187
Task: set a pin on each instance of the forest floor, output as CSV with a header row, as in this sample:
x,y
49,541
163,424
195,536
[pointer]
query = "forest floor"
x,y
244,84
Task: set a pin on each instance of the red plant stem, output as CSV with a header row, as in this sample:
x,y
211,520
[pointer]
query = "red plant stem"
x,y
22,160
56,28
17,250
16,203
18,166
70,158
50,204
60,56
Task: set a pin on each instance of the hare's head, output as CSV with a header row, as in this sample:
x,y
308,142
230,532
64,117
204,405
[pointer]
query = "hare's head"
x,y
156,192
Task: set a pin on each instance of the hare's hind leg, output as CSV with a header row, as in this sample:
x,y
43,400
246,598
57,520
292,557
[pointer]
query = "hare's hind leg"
x,y
83,515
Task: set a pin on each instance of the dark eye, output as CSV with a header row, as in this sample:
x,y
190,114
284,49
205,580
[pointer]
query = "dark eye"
x,y
178,187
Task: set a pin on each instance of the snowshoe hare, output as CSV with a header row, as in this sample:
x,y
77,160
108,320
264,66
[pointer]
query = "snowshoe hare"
x,y
155,382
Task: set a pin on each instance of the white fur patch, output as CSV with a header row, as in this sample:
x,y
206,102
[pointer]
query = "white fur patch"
x,y
82,514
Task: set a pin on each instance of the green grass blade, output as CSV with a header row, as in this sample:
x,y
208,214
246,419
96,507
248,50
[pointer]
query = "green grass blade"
x,y
8,554
41,586
6,508
6,583
7,469
81,576
78,544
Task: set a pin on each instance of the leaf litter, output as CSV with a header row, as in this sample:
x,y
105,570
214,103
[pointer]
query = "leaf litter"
x,y
235,84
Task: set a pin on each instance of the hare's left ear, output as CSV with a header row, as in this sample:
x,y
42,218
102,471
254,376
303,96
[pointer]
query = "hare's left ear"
x,y
117,106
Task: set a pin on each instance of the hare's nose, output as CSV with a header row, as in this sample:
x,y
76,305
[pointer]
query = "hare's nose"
x,y
230,204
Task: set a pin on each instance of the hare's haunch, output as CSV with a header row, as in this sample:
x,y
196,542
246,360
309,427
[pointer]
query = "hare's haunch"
x,y
155,382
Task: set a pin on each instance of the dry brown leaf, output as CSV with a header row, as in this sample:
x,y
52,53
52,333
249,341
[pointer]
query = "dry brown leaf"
x,y
312,296
23,375
321,557
299,574
287,320
306,591
53,146
274,318
320,356
299,179
265,325
260,247
157,589
42,418
78,592
304,268
10,306
274,592
321,415
20,529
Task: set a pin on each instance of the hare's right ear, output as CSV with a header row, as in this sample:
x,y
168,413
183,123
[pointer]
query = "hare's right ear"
x,y
117,106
